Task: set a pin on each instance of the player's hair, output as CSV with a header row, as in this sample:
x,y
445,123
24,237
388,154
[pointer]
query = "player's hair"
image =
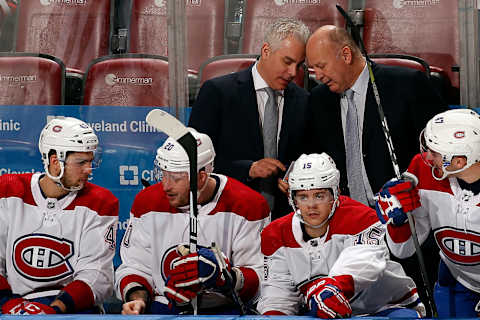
x,y
341,37
283,28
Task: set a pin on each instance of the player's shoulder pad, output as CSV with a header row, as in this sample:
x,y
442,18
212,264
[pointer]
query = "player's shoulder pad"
x,y
240,199
425,179
278,234
96,198
152,198
351,217
17,185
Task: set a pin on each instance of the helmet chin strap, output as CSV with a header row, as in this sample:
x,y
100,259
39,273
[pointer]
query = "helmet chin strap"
x,y
445,172
330,215
58,178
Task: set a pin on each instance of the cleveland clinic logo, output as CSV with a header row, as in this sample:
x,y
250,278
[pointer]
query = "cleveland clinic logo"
x,y
112,79
128,175
131,175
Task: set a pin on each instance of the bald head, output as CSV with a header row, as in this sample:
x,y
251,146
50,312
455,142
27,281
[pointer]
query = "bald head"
x,y
335,57
334,36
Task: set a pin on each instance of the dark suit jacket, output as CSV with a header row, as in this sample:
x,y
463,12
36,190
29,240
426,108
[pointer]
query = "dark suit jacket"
x,y
408,101
226,109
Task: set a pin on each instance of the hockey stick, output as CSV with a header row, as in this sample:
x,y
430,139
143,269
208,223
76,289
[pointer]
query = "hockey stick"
x,y
167,123
388,139
228,279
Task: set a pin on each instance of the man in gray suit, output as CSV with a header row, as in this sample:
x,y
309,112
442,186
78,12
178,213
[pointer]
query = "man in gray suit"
x,y
253,144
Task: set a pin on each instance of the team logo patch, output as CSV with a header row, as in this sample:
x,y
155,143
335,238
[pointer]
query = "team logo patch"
x,y
459,134
460,247
57,128
41,257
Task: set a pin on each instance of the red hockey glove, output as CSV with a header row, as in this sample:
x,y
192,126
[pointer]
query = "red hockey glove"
x,y
180,296
395,199
198,268
20,306
325,299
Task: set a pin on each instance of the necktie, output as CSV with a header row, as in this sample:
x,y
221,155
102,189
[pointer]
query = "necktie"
x,y
270,129
270,125
354,156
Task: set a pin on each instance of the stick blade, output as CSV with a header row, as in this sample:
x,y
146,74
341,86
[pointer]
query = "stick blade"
x,y
167,123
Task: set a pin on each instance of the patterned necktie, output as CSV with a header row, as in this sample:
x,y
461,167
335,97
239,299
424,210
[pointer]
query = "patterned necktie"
x,y
270,130
354,156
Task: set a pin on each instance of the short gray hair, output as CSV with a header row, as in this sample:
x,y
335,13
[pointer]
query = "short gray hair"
x,y
283,28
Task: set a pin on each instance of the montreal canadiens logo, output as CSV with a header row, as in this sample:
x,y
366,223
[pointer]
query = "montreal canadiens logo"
x,y
41,257
460,247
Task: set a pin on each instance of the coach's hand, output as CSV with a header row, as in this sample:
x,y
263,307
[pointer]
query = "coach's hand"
x,y
265,168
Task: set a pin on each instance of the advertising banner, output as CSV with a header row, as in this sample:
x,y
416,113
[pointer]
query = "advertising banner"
x,y
128,146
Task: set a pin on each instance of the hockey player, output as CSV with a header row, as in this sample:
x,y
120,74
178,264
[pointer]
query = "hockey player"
x,y
328,258
446,201
57,230
158,274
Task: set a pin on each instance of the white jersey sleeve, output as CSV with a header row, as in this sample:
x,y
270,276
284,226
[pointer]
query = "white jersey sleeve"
x,y
136,255
400,240
94,266
278,292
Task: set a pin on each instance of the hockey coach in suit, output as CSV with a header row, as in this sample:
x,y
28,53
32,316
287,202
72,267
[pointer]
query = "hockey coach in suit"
x,y
408,100
232,110
407,97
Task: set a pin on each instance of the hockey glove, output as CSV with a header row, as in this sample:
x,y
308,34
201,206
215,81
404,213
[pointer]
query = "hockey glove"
x,y
325,299
198,268
395,199
20,306
179,296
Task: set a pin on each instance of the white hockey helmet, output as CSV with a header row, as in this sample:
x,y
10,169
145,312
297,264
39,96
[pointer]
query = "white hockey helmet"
x,y
64,135
314,171
452,133
172,157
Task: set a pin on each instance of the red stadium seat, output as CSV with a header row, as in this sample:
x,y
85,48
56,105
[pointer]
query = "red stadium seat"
x,y
127,80
229,63
259,14
401,60
205,29
428,31
76,31
31,79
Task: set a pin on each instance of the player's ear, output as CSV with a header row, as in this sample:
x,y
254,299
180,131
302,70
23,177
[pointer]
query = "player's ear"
x,y
459,162
54,165
202,178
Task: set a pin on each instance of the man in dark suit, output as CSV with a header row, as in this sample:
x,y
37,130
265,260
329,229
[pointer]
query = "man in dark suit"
x,y
231,109
408,101
407,97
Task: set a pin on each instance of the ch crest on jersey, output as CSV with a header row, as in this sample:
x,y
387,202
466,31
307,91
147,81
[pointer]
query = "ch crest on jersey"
x,y
460,246
42,257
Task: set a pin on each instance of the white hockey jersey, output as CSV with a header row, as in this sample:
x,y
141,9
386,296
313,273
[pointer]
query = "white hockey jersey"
x,y
233,219
49,244
352,246
453,215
